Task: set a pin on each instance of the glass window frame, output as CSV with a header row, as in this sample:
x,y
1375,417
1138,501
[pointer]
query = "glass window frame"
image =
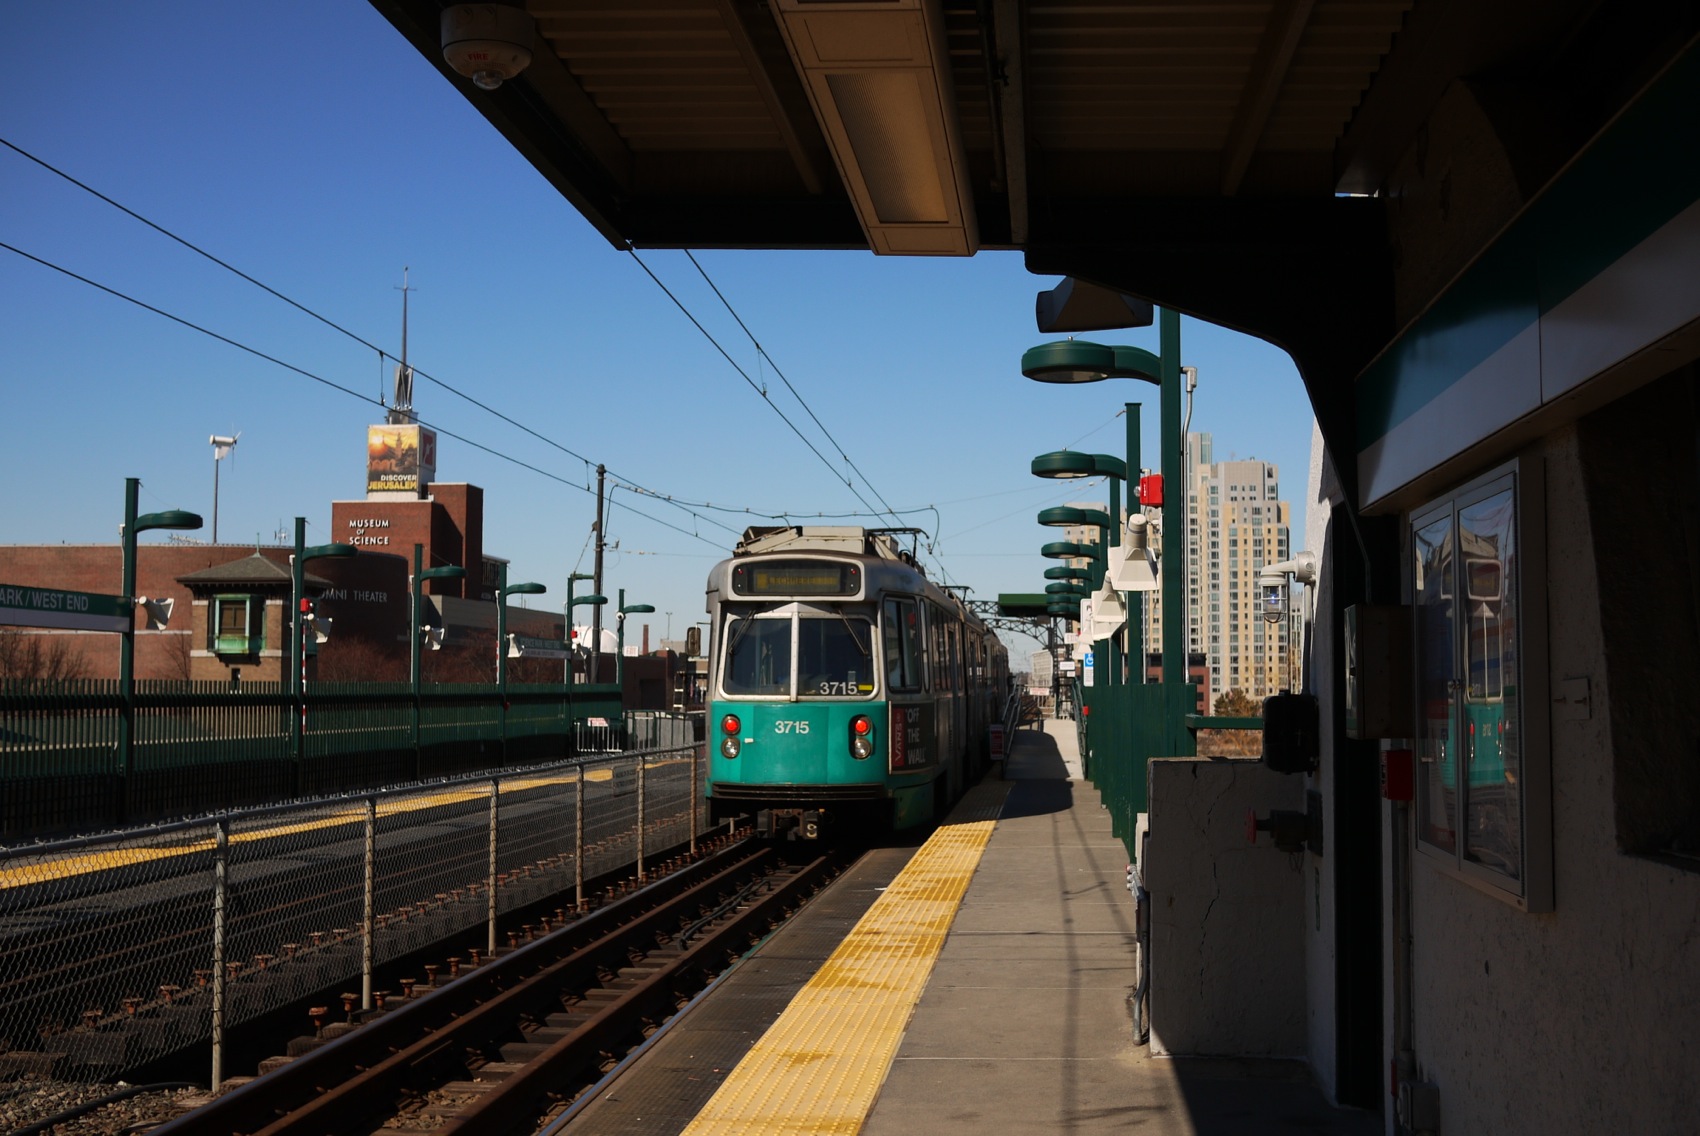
x,y
875,659
911,644
792,619
253,641
789,619
1523,581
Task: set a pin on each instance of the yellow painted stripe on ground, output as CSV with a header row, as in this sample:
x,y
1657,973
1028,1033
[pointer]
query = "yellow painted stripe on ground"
x,y
91,862
819,1067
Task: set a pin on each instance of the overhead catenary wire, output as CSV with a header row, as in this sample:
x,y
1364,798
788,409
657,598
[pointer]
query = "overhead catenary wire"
x,y
745,375
382,354
762,353
336,386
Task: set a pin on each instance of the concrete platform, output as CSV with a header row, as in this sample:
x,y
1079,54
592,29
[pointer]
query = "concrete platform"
x,y
1025,1024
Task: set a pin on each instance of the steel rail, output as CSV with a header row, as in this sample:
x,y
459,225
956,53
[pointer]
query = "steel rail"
x,y
375,1070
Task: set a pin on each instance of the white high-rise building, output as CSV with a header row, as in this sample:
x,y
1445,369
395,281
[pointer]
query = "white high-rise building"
x,y
1236,523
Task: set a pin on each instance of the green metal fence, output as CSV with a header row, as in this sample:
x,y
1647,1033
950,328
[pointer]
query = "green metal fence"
x,y
1123,727
201,746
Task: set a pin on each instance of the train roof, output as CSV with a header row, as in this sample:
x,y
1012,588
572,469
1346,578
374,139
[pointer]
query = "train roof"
x,y
848,539
891,565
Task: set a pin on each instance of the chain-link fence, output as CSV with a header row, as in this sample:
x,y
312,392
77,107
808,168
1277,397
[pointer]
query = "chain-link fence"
x,y
121,949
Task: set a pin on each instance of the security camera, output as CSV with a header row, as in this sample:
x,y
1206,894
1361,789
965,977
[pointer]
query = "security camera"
x,y
488,43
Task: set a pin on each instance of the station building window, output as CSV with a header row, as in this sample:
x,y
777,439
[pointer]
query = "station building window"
x,y
1483,794
237,625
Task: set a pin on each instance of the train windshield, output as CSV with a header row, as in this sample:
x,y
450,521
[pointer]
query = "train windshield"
x,y
829,655
758,655
835,657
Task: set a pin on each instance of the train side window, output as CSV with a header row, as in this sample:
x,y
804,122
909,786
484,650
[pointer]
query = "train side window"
x,y
904,645
1483,792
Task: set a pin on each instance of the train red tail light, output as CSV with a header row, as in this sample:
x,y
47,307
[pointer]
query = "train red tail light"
x,y
861,737
730,724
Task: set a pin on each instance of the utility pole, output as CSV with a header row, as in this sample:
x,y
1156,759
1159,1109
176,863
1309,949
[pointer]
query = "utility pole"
x,y
596,612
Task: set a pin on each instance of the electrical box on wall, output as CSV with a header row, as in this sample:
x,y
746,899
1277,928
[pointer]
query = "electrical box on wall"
x,y
1379,694
1290,732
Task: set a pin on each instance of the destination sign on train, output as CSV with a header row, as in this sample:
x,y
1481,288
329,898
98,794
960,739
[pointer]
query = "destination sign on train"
x,y
796,578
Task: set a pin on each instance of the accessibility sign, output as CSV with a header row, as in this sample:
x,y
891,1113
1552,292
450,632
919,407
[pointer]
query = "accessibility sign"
x,y
72,611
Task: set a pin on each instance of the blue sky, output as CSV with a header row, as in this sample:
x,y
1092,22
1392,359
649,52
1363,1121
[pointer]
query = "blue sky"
x,y
309,146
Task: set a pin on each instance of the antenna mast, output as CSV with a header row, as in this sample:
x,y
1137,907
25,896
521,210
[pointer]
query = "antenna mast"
x,y
401,409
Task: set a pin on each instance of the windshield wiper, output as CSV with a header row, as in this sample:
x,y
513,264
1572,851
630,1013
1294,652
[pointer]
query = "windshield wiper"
x,y
838,610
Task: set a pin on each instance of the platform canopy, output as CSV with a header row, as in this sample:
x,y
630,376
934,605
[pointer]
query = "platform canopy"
x,y
1228,160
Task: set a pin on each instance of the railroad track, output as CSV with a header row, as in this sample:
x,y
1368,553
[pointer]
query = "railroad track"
x,y
505,1046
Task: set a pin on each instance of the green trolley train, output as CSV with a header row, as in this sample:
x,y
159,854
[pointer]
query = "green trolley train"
x,y
846,690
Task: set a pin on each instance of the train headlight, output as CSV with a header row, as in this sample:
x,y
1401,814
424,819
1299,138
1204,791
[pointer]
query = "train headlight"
x,y
729,745
861,737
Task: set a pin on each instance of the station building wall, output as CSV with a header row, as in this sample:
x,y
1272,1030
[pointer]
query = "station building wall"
x,y
1552,319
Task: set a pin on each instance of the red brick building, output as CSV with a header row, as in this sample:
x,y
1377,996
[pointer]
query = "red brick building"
x,y
232,601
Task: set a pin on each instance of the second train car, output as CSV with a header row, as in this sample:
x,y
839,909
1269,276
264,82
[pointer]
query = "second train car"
x,y
846,689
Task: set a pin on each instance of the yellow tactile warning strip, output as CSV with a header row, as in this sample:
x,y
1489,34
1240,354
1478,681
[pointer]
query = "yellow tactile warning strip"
x,y
88,863
819,1067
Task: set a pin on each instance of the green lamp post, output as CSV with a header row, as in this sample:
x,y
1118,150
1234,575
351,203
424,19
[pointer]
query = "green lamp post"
x,y
1077,361
1069,465
301,608
1069,516
503,591
572,602
620,612
417,630
134,526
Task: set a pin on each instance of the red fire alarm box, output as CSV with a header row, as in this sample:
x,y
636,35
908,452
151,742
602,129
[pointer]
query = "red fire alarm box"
x,y
1151,489
1398,781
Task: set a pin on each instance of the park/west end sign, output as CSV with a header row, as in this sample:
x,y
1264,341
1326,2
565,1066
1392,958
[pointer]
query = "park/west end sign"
x,y
72,611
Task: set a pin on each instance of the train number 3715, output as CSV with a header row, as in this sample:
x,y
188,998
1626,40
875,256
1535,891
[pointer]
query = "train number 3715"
x,y
789,726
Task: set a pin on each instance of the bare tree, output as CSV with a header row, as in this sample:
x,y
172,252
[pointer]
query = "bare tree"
x,y
36,657
361,660
180,657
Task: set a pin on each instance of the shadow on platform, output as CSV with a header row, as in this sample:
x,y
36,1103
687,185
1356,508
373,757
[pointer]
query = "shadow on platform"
x,y
1230,1096
1039,775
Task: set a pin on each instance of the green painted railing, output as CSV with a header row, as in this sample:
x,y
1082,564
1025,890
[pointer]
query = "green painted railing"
x,y
1123,727
205,746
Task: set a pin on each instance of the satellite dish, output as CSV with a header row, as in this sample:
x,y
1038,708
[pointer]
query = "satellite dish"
x,y
158,611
